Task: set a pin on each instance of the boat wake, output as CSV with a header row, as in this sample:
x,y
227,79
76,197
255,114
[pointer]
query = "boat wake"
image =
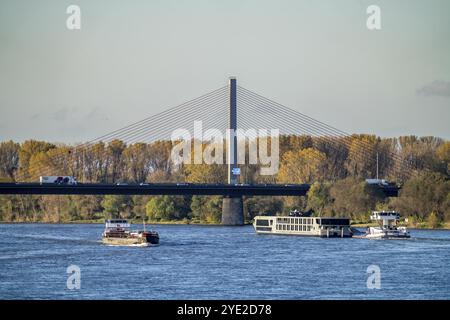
x,y
131,245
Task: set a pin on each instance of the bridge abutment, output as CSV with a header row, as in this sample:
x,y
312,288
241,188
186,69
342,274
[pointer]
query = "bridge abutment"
x,y
232,211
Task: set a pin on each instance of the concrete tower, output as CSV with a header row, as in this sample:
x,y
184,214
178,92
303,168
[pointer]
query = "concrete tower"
x,y
232,207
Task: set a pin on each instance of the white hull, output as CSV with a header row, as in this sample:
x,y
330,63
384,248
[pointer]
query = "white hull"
x,y
303,226
129,245
381,233
388,228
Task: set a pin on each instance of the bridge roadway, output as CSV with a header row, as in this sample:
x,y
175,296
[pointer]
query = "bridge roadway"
x,y
167,189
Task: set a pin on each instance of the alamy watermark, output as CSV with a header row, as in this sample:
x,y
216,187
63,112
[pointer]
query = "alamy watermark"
x,y
73,22
374,278
74,278
374,19
258,141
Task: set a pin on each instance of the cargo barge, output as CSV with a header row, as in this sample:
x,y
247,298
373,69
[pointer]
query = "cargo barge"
x,y
118,232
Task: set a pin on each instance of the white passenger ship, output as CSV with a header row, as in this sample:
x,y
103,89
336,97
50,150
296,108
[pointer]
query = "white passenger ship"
x,y
325,227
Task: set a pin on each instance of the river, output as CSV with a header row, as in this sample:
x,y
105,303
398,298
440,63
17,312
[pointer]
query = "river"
x,y
215,262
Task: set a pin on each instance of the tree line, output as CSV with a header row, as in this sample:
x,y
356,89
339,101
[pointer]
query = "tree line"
x,y
336,168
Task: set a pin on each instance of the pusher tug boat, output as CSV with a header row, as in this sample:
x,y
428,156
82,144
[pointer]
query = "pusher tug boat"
x,y
118,233
387,228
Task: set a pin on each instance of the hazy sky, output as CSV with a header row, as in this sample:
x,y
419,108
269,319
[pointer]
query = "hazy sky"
x,y
132,59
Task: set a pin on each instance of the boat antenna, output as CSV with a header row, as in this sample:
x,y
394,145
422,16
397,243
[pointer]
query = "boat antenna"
x,y
143,220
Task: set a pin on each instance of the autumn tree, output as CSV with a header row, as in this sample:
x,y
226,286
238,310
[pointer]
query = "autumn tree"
x,y
443,156
28,149
302,166
205,173
361,160
353,197
136,158
425,194
9,159
114,156
336,153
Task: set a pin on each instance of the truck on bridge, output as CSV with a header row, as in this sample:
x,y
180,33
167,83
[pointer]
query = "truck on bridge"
x,y
69,180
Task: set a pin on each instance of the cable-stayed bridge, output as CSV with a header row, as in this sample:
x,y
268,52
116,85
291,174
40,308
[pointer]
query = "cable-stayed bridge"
x,y
225,110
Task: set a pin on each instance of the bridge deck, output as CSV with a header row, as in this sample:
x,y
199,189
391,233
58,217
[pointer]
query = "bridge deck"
x,y
166,189
155,189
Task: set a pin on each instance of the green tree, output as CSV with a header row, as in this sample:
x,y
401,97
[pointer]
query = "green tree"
x,y
433,221
116,206
167,208
206,208
353,197
260,205
319,199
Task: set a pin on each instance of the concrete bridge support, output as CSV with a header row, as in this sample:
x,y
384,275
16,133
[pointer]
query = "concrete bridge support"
x,y
232,211
232,207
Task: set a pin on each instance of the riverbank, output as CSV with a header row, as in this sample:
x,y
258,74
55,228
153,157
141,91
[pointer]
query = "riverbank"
x,y
423,226
132,221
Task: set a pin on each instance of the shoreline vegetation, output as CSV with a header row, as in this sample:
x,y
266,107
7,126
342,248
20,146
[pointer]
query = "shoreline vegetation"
x,y
421,226
336,171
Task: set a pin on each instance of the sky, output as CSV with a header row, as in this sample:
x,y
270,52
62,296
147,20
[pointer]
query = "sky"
x,y
136,58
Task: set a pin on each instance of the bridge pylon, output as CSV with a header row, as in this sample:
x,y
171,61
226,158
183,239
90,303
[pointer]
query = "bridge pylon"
x,y
232,207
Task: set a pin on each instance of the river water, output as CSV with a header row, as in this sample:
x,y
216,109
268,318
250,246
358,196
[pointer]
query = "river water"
x,y
214,262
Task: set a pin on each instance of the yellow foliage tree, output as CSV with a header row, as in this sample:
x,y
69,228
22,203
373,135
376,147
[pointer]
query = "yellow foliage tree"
x,y
302,166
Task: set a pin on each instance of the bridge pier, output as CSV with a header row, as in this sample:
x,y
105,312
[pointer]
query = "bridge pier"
x,y
232,211
232,207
